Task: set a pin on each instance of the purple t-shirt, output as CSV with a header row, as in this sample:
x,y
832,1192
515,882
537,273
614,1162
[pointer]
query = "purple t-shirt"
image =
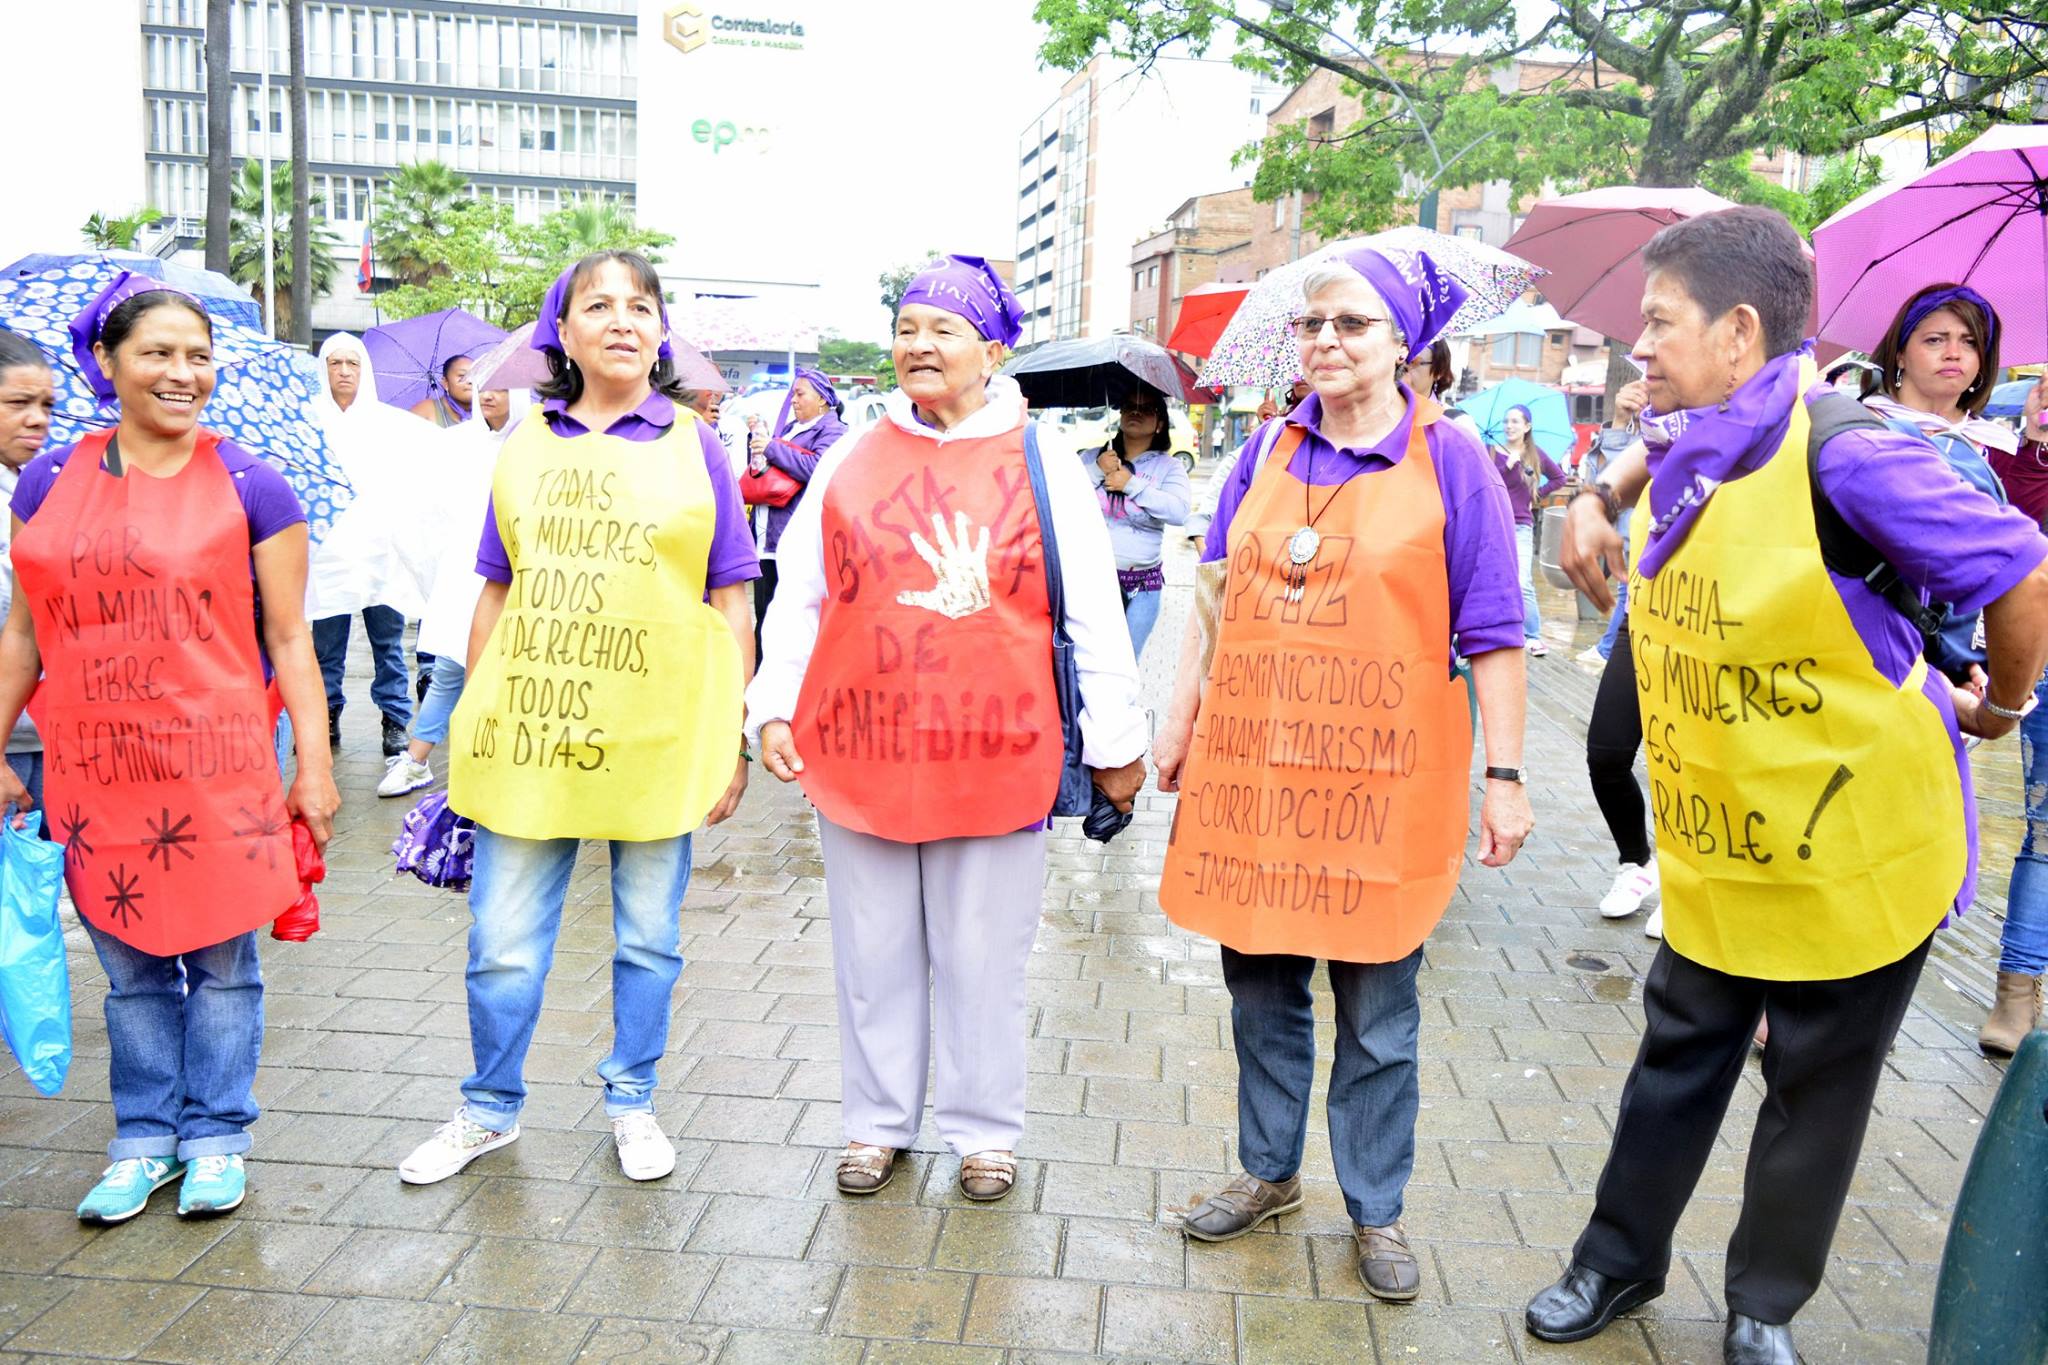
x,y
1479,536
1521,502
267,500
731,558
1944,537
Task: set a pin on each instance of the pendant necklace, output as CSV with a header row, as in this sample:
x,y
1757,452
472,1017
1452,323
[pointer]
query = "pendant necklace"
x,y
1303,544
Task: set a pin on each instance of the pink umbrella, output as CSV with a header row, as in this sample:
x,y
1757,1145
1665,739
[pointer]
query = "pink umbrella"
x,y
1979,218
514,364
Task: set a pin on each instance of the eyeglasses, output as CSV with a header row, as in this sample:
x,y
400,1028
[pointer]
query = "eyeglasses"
x,y
1349,326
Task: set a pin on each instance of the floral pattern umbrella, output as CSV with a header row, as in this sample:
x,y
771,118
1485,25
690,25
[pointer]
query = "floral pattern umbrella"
x,y
262,397
720,324
1258,348
514,364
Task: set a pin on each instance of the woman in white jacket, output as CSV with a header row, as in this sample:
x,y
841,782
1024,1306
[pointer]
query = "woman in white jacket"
x,y
908,683
463,465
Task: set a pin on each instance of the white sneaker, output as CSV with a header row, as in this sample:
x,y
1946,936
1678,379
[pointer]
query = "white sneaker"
x,y
454,1145
1653,927
1631,890
645,1153
405,774
1537,649
1592,657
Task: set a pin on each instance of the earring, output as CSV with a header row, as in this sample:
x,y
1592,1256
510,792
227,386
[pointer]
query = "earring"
x,y
1729,392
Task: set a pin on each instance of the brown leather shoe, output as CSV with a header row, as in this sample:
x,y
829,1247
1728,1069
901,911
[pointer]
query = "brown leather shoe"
x,y
2016,1014
1386,1265
1240,1206
863,1169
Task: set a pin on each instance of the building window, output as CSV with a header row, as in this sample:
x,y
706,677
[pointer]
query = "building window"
x,y
1518,350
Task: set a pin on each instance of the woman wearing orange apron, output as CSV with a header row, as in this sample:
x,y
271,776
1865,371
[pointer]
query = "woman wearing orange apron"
x,y
1323,758
907,682
158,566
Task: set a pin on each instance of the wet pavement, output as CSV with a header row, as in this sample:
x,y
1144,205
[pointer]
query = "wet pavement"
x,y
544,1252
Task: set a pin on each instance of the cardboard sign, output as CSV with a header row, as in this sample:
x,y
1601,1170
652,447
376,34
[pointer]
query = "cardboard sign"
x,y
927,710
607,702
1808,814
160,766
1323,805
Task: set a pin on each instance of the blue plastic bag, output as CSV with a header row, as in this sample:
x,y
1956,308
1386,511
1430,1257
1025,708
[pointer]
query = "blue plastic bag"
x,y
35,984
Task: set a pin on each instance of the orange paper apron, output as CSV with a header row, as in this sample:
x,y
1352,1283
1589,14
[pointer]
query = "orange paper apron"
x,y
160,770
1323,807
927,710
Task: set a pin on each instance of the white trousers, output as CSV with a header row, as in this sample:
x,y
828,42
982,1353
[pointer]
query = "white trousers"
x,y
948,923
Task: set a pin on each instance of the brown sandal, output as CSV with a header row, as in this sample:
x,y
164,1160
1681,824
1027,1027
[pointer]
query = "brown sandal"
x,y
987,1176
864,1169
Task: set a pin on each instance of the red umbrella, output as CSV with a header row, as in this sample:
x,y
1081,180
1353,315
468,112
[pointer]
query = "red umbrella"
x,y
1592,245
1205,311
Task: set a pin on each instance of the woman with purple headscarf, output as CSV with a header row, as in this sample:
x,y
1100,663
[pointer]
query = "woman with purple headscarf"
x,y
908,684
807,427
1809,786
1324,755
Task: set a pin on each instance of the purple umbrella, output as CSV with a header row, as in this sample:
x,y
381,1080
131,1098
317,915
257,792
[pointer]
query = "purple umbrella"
x,y
514,364
1979,218
409,354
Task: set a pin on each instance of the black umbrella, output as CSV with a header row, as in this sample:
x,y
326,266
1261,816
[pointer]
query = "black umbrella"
x,y
1099,372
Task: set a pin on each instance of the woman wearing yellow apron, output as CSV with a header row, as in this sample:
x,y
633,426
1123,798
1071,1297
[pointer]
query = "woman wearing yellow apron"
x,y
1814,819
609,653
1324,757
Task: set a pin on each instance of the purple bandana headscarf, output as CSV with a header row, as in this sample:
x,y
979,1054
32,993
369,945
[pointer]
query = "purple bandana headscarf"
x,y
1938,298
967,286
1696,450
817,381
1421,295
85,328
547,333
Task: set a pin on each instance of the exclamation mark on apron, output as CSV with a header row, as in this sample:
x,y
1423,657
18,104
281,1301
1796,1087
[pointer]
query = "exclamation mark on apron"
x,y
1835,784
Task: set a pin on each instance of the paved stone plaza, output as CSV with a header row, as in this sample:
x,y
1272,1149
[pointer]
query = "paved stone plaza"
x,y
543,1252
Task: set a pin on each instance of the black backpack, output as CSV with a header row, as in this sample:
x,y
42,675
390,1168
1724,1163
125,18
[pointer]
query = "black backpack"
x,y
1841,548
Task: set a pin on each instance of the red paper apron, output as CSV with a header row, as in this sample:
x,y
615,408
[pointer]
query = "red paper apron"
x,y
928,710
160,771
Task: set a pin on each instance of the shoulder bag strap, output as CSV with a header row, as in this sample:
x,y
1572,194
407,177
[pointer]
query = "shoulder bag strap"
x,y
1055,582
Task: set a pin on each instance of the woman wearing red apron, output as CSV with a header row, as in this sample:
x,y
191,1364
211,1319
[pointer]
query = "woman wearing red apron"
x,y
141,555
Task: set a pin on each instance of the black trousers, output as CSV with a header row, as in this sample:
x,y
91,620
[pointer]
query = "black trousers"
x,y
1613,735
1821,1068
764,593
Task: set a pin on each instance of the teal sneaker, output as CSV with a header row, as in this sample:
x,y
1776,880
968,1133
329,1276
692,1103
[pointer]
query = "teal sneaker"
x,y
125,1188
213,1185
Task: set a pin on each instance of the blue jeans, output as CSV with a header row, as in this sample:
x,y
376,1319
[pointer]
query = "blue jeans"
x,y
1614,620
515,904
2024,944
1141,613
1525,555
389,688
186,1033
1374,1094
443,690
29,768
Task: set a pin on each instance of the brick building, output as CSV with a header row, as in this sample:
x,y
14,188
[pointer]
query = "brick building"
x,y
1183,255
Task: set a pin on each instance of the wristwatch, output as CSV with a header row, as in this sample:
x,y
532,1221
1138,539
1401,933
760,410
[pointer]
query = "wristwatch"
x,y
1505,775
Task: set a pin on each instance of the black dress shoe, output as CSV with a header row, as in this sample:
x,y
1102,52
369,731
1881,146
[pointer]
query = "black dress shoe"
x,y
1583,1302
394,738
334,727
1749,1342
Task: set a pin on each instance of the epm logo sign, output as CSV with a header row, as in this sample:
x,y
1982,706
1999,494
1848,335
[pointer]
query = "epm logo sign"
x,y
689,27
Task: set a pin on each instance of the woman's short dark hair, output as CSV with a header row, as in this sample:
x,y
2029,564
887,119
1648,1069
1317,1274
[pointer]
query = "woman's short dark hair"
x,y
1162,438
1741,255
121,319
1890,373
565,381
17,351
1441,376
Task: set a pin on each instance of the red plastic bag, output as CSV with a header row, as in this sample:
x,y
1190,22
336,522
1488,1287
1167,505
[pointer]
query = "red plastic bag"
x,y
302,920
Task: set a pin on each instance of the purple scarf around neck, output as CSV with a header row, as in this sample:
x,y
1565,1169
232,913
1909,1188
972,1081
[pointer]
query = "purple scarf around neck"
x,y
1707,447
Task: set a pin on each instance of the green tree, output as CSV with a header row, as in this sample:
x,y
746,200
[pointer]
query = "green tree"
x,y
416,208
843,355
108,232
484,259
896,280
1648,94
245,239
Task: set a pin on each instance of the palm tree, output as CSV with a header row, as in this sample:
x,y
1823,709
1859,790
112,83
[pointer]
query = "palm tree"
x,y
219,189
592,222
301,305
245,242
109,233
412,211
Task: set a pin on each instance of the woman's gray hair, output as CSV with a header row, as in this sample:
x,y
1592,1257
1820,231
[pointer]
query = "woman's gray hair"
x,y
1334,272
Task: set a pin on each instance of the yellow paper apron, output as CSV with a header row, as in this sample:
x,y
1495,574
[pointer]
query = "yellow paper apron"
x,y
1807,813
607,703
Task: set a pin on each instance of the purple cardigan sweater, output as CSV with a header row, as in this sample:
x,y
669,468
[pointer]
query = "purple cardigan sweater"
x,y
797,456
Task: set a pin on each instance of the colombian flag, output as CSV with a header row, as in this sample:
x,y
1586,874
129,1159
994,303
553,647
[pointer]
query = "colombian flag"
x,y
363,264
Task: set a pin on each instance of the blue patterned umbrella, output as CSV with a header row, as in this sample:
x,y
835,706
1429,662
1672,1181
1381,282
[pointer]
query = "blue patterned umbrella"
x,y
262,397
223,297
